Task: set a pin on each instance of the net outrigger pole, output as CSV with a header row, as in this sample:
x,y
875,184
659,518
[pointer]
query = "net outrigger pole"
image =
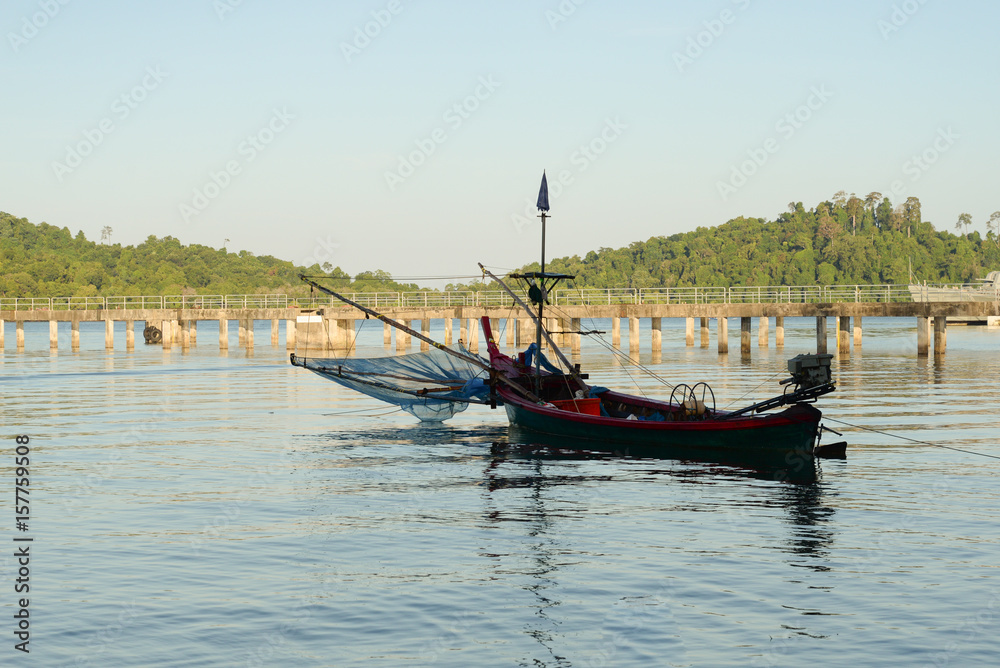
x,y
475,361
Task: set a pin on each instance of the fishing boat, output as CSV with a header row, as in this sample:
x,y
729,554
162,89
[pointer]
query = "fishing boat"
x,y
556,399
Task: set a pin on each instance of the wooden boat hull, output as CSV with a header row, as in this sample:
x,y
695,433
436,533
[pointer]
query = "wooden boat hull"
x,y
788,433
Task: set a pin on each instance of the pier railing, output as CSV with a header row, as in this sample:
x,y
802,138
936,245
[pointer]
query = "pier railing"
x,y
767,294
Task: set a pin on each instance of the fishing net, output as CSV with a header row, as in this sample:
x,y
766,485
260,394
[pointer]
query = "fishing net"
x,y
431,386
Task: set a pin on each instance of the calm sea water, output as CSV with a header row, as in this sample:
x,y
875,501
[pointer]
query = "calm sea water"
x,y
205,509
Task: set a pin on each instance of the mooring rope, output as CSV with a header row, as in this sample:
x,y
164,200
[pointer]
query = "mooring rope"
x,y
912,440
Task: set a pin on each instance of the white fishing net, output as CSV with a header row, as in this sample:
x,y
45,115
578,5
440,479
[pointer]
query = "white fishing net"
x,y
431,386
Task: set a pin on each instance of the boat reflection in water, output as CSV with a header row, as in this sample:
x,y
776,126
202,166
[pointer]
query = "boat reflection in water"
x,y
542,490
797,465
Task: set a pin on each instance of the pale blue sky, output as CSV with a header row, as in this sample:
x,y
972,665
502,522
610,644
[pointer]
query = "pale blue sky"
x,y
198,81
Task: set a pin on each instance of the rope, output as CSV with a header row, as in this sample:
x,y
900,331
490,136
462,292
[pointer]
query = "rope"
x,y
754,389
912,440
615,351
360,412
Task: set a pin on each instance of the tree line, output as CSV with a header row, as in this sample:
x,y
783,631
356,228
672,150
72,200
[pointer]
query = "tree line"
x,y
42,260
844,240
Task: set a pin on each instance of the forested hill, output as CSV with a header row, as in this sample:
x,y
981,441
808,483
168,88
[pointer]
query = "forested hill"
x,y
847,240
47,261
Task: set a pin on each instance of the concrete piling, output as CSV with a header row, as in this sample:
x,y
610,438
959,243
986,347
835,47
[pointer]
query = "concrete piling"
x,y
473,335
723,335
940,334
633,334
821,334
923,335
844,335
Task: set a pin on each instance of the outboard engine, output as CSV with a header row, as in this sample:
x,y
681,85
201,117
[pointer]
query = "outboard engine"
x,y
808,371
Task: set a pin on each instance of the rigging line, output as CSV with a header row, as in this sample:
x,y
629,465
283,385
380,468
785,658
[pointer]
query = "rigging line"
x,y
362,412
912,440
604,343
645,369
541,328
614,351
766,380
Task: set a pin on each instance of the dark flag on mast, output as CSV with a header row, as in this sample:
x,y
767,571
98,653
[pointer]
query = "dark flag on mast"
x,y
543,195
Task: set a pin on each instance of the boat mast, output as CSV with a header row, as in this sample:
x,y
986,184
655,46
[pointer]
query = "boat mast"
x,y
543,206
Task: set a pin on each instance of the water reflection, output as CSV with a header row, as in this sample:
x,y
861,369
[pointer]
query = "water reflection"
x,y
539,466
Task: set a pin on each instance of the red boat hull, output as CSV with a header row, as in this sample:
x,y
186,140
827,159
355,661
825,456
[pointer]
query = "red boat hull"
x,y
789,432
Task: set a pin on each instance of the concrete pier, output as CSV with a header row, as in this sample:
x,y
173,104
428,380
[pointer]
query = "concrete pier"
x,y
723,335
746,325
305,326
